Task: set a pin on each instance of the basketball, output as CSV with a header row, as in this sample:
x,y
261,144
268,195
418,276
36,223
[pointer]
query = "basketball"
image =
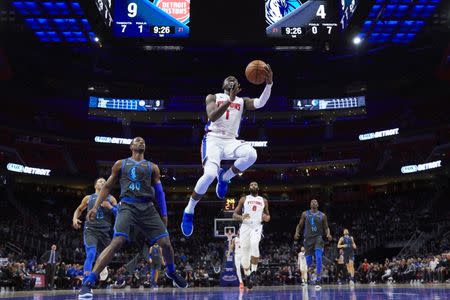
x,y
255,72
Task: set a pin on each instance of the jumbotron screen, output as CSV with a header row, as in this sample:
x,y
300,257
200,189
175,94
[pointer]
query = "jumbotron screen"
x,y
300,18
151,18
311,19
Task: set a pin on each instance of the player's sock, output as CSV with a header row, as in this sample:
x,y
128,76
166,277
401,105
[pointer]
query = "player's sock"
x,y
228,175
90,257
318,253
254,267
247,272
191,206
170,268
308,260
238,273
89,280
153,276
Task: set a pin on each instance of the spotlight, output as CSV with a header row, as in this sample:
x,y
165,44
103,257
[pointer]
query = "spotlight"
x,y
357,40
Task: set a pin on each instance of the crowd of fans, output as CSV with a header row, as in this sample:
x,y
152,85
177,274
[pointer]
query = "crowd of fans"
x,y
201,257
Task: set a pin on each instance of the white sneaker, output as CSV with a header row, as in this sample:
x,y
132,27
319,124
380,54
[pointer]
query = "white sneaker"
x,y
351,282
104,274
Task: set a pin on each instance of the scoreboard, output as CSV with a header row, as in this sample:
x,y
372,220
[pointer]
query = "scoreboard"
x,y
307,19
146,18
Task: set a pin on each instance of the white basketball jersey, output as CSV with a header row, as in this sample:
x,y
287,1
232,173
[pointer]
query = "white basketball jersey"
x,y
237,246
254,206
228,124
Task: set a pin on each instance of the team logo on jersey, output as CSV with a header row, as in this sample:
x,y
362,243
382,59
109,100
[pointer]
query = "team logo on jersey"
x,y
136,173
179,9
277,9
234,105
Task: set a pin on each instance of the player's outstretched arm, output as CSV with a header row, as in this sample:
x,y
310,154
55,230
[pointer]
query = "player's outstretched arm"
x,y
255,103
106,189
237,215
299,226
76,222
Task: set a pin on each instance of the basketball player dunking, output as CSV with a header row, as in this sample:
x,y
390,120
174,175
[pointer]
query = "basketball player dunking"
x,y
347,243
316,224
255,210
97,232
139,182
224,112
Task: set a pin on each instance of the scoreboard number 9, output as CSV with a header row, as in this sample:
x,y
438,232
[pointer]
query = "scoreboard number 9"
x,y
132,10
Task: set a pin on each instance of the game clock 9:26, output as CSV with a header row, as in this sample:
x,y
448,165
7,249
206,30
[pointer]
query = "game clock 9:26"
x,y
316,29
162,29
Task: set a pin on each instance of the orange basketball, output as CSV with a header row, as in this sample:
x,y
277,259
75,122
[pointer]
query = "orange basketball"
x,y
255,72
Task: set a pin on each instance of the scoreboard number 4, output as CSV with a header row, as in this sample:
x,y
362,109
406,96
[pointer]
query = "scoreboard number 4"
x,y
321,11
132,10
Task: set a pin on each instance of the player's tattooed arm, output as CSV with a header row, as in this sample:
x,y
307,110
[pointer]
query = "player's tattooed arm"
x,y
238,210
106,189
353,244
299,226
340,244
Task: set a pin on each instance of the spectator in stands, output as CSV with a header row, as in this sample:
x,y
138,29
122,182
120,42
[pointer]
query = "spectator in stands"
x,y
62,280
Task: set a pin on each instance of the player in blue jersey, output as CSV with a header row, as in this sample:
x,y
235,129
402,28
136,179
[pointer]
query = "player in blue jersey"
x,y
140,184
347,243
316,225
97,232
